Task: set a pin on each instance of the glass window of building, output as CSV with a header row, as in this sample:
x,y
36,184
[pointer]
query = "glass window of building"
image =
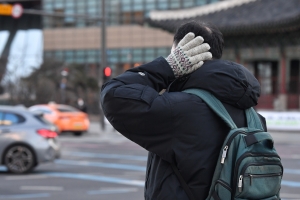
x,y
113,3
266,73
58,21
70,4
149,54
69,56
47,22
114,11
138,5
149,5
48,5
81,7
81,23
201,2
126,56
163,4
48,54
188,3
93,56
174,4
137,55
59,55
69,10
59,4
93,7
294,77
113,56
126,5
164,52
80,56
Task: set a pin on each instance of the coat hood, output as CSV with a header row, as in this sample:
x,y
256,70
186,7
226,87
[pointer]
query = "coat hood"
x,y
230,82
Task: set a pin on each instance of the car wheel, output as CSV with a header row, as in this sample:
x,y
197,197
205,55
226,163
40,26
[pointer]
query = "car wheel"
x,y
77,133
19,159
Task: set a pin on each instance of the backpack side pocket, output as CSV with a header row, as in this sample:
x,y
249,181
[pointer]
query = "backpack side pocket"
x,y
259,180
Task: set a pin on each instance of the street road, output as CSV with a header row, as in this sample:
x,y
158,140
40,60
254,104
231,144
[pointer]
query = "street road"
x,y
104,165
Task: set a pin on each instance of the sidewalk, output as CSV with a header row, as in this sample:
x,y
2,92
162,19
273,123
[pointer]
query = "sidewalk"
x,y
94,118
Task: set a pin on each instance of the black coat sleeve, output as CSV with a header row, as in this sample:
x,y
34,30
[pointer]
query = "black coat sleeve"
x,y
132,104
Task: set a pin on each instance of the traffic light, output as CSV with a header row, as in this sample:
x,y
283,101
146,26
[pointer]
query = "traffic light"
x,y
106,74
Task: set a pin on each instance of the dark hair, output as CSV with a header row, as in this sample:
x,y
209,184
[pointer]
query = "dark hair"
x,y
211,35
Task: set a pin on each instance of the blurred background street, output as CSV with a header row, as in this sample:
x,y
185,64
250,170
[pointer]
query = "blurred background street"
x,y
55,55
105,165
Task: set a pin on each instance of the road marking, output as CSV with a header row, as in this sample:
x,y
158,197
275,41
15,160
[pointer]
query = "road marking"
x,y
291,171
290,183
103,165
12,178
97,178
24,196
50,188
110,156
112,191
3,169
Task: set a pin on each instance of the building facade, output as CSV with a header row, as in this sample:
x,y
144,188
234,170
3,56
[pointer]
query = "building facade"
x,y
130,40
261,35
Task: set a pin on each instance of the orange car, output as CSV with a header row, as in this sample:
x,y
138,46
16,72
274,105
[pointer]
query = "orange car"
x,y
66,118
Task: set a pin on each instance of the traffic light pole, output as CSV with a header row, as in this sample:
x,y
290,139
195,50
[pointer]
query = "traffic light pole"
x,y
102,63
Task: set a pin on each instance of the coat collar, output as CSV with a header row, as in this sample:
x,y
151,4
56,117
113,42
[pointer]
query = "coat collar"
x,y
230,82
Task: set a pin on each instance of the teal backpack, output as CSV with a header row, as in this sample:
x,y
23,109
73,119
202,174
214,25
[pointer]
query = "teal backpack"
x,y
248,166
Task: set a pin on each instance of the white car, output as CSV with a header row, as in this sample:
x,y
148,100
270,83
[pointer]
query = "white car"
x,y
26,139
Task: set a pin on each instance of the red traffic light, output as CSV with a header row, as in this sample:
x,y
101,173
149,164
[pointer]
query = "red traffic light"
x,y
107,71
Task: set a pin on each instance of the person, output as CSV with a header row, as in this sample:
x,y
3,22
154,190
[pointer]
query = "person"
x,y
174,126
81,105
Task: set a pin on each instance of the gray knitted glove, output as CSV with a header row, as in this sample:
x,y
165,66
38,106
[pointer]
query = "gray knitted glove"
x,y
188,55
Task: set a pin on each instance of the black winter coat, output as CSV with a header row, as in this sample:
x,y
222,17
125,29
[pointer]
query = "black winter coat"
x,y
176,127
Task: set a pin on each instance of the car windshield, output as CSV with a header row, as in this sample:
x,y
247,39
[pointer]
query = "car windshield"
x,y
42,119
66,109
41,109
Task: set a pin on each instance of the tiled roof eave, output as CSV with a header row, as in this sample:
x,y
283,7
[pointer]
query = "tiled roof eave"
x,y
258,28
287,25
157,15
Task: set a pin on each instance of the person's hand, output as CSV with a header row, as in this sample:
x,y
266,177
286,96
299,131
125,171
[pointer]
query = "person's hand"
x,y
188,55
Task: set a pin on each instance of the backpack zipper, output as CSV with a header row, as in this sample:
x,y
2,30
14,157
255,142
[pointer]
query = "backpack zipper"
x,y
224,154
240,183
225,149
261,176
248,154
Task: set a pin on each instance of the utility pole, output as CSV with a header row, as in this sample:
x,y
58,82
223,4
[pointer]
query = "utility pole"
x,y
102,64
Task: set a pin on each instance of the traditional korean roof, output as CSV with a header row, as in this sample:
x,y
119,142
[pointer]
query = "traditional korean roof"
x,y
236,17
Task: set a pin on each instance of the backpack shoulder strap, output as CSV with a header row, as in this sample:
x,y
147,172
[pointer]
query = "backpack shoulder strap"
x,y
214,104
253,120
